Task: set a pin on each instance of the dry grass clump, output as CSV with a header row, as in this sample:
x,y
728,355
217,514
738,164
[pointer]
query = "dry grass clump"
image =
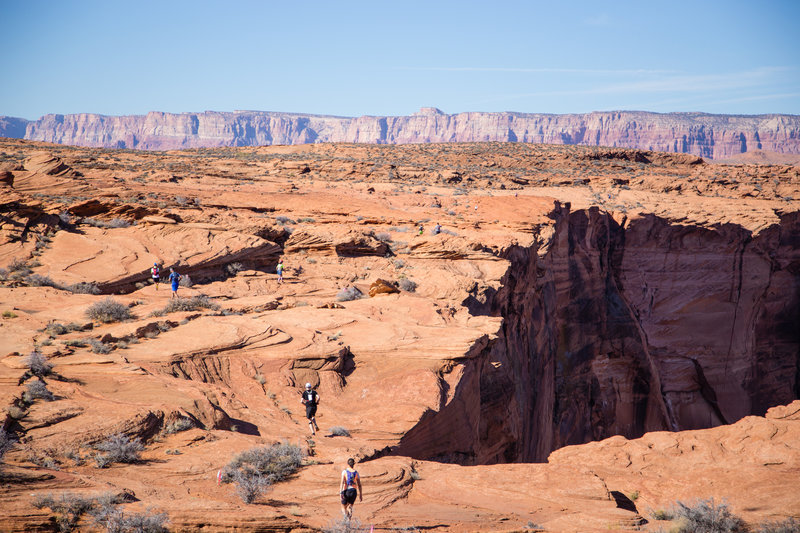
x,y
190,304
37,390
38,365
705,516
256,469
119,448
67,508
109,310
339,431
407,285
6,442
181,424
55,328
348,294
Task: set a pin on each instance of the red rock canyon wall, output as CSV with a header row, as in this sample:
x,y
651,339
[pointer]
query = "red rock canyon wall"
x,y
621,328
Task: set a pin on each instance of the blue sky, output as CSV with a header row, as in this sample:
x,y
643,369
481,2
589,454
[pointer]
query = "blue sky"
x,y
391,58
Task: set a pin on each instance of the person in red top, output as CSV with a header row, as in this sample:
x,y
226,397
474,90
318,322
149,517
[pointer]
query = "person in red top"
x,y
349,487
155,274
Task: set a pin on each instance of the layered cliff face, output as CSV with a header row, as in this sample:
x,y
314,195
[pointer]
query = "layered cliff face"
x,y
622,327
710,136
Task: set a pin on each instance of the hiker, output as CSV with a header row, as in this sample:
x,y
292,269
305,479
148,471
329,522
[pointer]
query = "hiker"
x,y
155,274
421,230
175,279
279,269
347,489
437,229
310,400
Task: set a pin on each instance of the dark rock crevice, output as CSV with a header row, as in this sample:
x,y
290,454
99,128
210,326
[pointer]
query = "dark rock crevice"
x,y
621,328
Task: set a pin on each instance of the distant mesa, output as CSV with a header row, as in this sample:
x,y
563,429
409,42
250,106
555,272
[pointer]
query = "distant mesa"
x,y
429,111
700,134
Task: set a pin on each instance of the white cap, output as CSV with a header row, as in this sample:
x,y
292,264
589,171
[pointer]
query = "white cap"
x,y
308,385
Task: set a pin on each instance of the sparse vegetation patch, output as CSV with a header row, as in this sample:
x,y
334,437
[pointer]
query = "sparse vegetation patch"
x,y
109,310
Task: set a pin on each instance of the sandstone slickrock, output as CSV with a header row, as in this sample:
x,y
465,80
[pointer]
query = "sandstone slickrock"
x,y
589,307
705,135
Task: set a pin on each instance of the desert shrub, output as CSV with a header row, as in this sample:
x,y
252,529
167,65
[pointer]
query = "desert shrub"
x,y
307,219
343,525
661,514
113,223
15,412
256,469
75,343
190,304
65,218
17,265
407,285
55,328
109,310
98,347
37,280
399,263
181,424
790,525
707,517
250,485
3,274
38,365
119,448
10,314
233,268
114,520
6,442
260,378
283,220
83,288
348,293
383,237
185,281
67,508
339,431
37,390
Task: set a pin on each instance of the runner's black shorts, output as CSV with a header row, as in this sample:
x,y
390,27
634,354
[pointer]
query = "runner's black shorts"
x,y
349,496
311,410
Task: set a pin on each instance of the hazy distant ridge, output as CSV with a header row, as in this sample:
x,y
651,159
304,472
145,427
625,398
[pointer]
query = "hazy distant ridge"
x,y
710,136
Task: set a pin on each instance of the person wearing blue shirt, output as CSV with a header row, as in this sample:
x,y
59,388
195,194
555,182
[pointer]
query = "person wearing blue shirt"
x,y
175,279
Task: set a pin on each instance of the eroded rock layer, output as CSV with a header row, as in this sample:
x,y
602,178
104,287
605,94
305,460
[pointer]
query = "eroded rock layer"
x,y
621,327
712,136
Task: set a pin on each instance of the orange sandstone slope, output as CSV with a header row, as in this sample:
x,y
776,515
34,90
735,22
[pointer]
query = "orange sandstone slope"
x,y
575,294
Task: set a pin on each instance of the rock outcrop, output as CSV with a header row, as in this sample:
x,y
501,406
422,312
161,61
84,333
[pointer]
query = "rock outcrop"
x,y
622,327
701,134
